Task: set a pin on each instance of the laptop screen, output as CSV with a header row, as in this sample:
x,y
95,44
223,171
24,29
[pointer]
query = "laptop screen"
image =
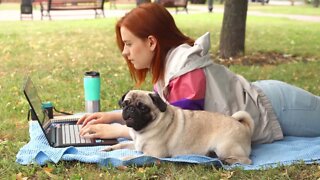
x,y
35,102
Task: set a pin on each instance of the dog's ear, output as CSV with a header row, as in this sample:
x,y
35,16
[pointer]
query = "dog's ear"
x,y
120,102
156,99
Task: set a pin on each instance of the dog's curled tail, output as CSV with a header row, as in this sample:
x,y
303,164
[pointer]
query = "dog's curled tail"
x,y
244,118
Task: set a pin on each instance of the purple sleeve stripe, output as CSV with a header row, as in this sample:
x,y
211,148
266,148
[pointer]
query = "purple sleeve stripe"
x,y
197,104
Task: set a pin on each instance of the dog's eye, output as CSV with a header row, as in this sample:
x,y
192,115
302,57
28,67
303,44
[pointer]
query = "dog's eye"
x,y
142,107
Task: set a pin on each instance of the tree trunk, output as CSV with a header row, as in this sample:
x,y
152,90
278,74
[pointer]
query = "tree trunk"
x,y
316,3
232,38
292,2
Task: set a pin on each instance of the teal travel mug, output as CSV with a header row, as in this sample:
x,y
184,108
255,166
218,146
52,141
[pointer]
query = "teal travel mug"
x,y
92,91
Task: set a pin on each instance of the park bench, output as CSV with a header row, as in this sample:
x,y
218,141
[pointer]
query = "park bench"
x,y
175,4
63,5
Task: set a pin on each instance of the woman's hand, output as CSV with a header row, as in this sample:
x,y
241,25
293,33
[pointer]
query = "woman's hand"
x,y
104,131
100,118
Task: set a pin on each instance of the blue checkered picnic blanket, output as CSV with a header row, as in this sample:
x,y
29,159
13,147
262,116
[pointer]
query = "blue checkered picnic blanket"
x,y
285,152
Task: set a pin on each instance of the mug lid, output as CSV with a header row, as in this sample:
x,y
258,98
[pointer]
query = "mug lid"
x,y
47,104
92,73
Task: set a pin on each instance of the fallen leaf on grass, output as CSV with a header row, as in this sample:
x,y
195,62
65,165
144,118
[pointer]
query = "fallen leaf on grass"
x,y
158,162
141,170
48,171
122,168
20,177
227,175
317,174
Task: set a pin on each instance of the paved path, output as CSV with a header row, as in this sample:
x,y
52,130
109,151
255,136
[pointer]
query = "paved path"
x,y
258,13
14,15
289,16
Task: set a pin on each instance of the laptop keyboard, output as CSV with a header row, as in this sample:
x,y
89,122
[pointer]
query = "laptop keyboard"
x,y
71,134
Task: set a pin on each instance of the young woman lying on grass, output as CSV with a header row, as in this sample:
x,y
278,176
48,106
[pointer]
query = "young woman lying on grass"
x,y
184,75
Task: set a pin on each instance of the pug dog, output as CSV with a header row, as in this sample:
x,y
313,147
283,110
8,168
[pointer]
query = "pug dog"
x,y
161,130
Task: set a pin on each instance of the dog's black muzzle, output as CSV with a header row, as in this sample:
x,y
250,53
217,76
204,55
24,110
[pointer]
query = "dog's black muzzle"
x,y
130,112
136,116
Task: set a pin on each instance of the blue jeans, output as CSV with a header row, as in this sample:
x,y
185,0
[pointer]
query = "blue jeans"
x,y
298,111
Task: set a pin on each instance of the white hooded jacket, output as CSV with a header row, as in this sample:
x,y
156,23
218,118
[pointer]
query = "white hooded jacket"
x,y
226,92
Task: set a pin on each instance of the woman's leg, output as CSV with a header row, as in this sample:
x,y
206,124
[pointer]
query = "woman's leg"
x,y
298,111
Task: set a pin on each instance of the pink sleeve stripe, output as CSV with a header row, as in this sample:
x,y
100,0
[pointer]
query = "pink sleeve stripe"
x,y
188,86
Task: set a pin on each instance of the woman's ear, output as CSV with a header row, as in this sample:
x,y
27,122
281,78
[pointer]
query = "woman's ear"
x,y
152,42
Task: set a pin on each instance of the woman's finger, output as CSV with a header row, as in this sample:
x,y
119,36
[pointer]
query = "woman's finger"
x,y
89,118
80,121
85,130
90,136
92,122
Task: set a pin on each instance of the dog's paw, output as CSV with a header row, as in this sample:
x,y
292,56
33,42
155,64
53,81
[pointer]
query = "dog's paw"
x,y
128,145
233,160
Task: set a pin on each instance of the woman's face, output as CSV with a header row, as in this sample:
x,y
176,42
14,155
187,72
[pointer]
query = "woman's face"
x,y
139,52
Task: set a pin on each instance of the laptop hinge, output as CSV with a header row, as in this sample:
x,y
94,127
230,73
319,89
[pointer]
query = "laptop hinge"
x,y
58,136
53,132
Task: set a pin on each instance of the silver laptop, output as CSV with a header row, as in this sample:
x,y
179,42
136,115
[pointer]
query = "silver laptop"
x,y
61,131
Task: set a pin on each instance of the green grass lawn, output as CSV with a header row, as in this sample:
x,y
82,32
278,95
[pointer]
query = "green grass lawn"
x,y
57,53
9,6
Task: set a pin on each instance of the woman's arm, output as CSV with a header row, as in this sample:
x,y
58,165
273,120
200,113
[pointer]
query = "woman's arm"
x,y
97,125
101,117
105,131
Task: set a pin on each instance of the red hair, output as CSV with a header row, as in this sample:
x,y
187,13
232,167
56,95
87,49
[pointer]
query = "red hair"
x,y
151,19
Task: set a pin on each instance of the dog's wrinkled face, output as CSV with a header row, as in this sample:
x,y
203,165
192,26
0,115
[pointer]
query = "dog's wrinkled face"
x,y
140,108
